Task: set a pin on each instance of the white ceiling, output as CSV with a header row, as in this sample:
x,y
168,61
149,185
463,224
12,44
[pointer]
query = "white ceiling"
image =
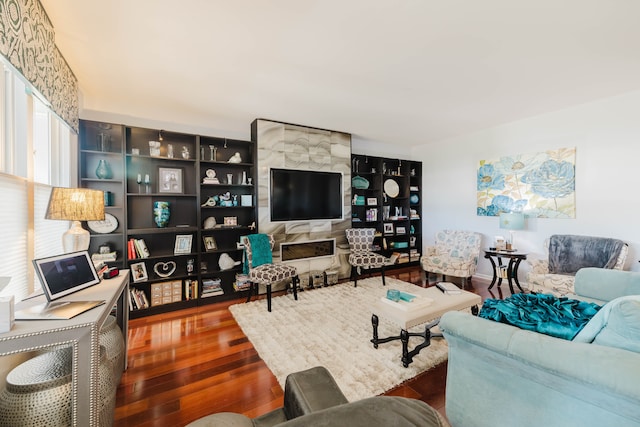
x,y
405,72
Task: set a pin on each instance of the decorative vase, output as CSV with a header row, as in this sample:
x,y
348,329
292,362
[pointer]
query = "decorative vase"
x,y
161,213
103,171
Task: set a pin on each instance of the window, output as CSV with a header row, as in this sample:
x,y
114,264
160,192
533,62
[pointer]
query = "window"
x,y
35,154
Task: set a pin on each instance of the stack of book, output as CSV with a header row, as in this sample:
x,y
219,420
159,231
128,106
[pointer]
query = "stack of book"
x,y
212,287
108,257
242,282
190,289
137,299
137,248
448,288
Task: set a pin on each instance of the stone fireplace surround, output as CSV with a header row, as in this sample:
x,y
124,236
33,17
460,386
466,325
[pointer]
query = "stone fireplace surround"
x,y
283,145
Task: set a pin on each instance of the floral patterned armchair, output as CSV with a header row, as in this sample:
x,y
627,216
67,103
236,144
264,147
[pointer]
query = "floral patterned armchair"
x,y
455,254
539,279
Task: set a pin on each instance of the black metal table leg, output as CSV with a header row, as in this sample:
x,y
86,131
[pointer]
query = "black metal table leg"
x,y
495,271
515,274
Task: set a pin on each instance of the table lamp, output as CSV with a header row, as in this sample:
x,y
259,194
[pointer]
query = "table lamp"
x,y
75,204
512,221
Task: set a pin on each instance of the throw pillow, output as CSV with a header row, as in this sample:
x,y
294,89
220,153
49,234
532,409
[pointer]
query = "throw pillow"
x,y
618,321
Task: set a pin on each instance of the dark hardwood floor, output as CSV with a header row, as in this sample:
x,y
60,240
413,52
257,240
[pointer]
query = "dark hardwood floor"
x,y
186,364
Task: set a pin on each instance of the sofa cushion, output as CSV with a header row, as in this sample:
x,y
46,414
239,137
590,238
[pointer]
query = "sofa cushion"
x,y
617,324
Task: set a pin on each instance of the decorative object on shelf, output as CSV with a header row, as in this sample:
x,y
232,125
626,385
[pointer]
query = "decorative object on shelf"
x,y
103,171
170,180
104,249
108,198
386,211
154,148
103,142
210,177
161,213
135,151
190,266
229,178
244,178
246,200
210,223
75,204
139,272
104,226
391,188
249,180
236,158
388,228
214,153
139,181
226,262
183,244
414,199
164,269
147,183
211,201
372,201
185,152
359,182
170,151
209,243
225,199
203,267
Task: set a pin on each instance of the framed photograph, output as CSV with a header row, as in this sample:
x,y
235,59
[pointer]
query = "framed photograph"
x,y
230,220
388,228
372,201
183,244
209,243
139,272
170,180
400,230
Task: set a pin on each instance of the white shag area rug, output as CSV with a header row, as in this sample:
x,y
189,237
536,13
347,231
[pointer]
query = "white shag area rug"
x,y
331,327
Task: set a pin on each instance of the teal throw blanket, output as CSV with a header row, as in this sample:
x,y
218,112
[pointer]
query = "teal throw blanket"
x,y
543,313
260,251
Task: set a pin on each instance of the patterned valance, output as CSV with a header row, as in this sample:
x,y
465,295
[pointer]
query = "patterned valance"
x,y
27,40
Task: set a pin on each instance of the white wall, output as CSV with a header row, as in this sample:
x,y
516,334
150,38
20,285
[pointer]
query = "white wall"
x,y
606,135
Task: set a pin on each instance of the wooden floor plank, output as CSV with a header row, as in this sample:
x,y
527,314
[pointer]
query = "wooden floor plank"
x,y
186,364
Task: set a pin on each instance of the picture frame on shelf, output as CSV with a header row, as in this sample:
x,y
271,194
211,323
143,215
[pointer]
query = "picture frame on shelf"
x,y
183,244
401,230
209,243
387,228
139,272
230,221
372,201
170,180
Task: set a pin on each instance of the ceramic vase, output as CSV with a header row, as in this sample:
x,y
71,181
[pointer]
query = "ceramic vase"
x,y
103,171
161,214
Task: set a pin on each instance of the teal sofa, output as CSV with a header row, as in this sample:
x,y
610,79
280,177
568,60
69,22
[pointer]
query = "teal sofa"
x,y
500,375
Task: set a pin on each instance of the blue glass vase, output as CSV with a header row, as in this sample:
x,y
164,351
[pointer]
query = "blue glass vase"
x,y
161,213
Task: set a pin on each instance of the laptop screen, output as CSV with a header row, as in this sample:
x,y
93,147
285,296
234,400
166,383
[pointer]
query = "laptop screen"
x,y
65,274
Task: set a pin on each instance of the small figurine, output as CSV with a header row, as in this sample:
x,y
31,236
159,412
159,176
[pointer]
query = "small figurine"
x,y
185,152
226,262
211,201
236,158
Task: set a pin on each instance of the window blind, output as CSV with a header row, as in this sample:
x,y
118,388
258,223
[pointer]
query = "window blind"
x,y
14,219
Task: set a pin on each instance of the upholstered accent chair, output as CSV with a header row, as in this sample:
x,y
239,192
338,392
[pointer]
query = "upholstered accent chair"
x,y
361,256
455,253
262,270
541,280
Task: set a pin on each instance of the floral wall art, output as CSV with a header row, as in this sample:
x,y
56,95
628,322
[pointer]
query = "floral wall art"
x,y
540,185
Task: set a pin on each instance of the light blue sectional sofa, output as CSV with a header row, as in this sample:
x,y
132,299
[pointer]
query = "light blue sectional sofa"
x,y
500,375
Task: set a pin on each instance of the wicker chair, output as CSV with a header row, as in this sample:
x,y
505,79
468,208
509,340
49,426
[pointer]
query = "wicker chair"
x,y
267,274
361,256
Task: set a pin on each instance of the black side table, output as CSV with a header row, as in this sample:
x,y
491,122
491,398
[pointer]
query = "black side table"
x,y
515,258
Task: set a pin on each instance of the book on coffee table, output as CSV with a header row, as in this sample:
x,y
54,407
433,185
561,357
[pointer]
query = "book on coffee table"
x,y
448,288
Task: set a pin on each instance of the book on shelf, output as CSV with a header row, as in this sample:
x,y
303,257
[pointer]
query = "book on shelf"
x,y
137,299
137,248
448,288
190,289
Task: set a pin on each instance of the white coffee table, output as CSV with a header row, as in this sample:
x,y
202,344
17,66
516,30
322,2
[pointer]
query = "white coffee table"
x,y
428,307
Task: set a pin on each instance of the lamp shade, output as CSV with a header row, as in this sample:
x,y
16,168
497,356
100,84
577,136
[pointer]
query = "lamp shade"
x,y
512,221
75,204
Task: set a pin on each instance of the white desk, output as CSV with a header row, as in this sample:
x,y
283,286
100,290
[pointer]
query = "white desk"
x,y
81,332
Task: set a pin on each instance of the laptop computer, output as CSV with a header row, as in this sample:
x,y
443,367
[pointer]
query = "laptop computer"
x,y
62,275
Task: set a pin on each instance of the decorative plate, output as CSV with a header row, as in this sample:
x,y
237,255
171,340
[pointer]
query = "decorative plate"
x,y
414,199
391,188
108,225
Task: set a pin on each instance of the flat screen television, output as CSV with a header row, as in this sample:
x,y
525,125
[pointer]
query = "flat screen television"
x,y
297,195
